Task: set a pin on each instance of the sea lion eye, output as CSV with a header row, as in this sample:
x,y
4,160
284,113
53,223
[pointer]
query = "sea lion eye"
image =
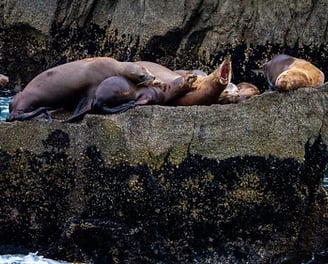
x,y
141,76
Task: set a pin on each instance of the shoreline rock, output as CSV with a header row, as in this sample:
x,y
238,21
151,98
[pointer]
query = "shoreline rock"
x,y
171,184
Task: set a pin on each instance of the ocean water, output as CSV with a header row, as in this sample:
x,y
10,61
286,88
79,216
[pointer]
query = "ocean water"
x,y
5,98
31,258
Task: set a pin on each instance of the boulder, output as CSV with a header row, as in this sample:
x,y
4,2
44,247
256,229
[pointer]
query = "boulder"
x,y
36,35
205,184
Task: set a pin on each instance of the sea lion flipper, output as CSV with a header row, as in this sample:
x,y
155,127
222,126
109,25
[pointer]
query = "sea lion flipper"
x,y
76,116
118,109
29,115
84,106
84,103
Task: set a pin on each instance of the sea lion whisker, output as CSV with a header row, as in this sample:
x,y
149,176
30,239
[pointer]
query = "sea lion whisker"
x,y
141,83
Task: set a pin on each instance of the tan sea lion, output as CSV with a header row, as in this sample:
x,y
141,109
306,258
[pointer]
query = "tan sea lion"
x,y
64,85
118,94
3,80
285,72
247,90
238,93
197,72
229,95
207,89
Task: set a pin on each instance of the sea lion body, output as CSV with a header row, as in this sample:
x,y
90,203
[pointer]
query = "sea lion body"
x,y
284,72
207,89
238,93
185,72
229,95
117,94
172,84
65,84
247,90
117,91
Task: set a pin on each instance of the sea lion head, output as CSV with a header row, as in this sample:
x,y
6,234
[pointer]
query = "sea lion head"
x,y
113,91
229,95
224,72
138,73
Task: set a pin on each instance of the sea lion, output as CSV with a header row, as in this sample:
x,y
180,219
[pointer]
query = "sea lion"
x,y
234,94
284,73
229,95
118,94
64,85
207,89
247,90
3,80
197,72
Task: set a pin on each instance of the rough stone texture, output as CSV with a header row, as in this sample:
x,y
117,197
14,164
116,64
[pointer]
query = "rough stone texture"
x,y
38,34
229,184
213,23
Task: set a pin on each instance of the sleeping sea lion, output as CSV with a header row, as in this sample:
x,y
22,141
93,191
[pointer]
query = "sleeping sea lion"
x,y
207,89
285,72
234,94
118,94
229,95
247,90
197,72
64,85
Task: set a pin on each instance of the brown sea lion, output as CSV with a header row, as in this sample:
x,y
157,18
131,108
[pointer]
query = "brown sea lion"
x,y
285,72
234,94
207,89
64,85
117,94
197,72
229,95
247,90
3,80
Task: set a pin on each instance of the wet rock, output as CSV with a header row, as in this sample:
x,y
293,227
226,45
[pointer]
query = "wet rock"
x,y
221,183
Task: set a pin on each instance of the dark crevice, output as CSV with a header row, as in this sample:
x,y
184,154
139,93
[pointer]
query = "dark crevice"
x,y
173,213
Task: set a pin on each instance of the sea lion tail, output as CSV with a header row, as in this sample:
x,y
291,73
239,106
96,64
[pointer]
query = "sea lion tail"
x,y
26,116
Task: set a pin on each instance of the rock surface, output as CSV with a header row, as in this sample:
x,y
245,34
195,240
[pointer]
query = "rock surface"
x,y
205,23
231,183
228,184
36,35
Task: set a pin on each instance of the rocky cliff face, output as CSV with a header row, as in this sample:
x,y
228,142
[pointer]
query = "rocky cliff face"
x,y
186,34
232,183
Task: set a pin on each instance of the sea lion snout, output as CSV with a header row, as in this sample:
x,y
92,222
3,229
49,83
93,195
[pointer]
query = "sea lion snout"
x,y
146,79
145,76
229,94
